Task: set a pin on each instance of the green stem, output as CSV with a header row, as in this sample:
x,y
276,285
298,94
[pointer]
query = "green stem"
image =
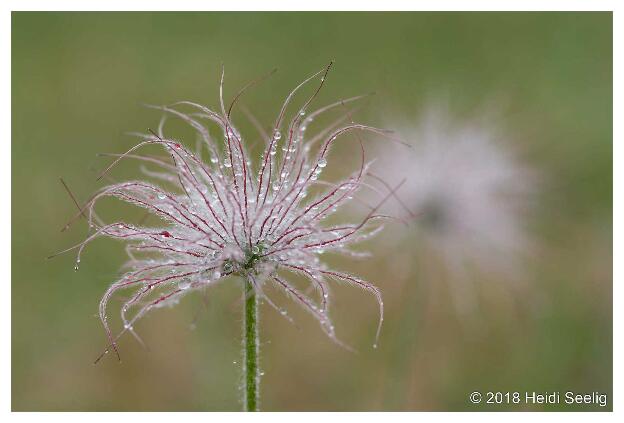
x,y
250,342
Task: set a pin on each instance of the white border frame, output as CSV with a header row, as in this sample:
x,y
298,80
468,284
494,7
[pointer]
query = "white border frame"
x,y
330,5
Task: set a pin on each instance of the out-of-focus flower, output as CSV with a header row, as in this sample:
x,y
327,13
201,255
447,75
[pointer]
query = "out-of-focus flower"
x,y
231,215
467,193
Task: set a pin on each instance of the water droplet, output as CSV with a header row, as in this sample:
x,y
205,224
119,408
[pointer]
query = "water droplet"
x,y
76,267
283,312
261,373
128,326
227,164
375,346
227,267
234,362
322,162
216,274
276,185
255,249
162,196
277,135
184,283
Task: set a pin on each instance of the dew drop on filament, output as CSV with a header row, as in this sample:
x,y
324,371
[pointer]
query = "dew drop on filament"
x,y
185,283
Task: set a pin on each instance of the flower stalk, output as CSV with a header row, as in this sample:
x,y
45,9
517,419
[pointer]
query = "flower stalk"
x,y
251,370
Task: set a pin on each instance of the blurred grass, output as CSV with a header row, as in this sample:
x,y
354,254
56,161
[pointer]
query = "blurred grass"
x,y
78,82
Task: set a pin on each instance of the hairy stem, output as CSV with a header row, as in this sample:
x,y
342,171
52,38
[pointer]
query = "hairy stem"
x,y
250,342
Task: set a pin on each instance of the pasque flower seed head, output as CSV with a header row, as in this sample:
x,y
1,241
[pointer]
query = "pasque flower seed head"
x,y
228,214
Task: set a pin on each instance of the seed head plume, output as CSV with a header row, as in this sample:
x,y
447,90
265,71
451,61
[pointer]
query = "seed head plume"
x,y
470,195
230,215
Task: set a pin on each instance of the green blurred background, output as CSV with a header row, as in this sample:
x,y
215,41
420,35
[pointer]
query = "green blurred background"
x,y
78,82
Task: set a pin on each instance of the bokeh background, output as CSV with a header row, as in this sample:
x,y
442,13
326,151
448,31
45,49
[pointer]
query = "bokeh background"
x,y
78,83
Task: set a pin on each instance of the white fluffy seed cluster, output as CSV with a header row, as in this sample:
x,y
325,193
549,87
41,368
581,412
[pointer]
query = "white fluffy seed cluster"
x,y
226,214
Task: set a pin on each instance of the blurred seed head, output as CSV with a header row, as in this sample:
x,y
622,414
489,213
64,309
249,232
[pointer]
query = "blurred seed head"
x,y
468,194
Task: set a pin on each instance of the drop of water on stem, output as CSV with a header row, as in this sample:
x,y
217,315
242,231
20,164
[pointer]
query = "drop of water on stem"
x,y
185,283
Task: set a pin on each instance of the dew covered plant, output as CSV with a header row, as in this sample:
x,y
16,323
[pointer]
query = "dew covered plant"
x,y
225,211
